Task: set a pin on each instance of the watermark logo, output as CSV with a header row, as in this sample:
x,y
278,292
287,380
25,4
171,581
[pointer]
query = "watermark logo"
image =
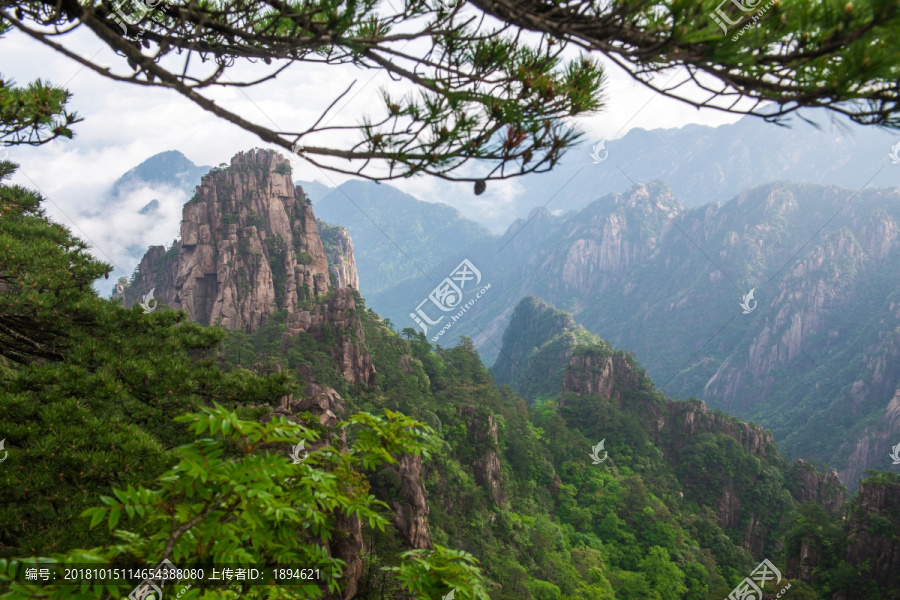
x,y
297,151
296,450
599,153
895,153
745,6
747,299
450,595
448,295
132,17
146,302
147,589
751,587
721,18
446,4
595,452
6,452
895,454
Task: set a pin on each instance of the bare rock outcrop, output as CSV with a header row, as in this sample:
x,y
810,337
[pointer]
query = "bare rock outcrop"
x,y
249,247
810,485
683,421
872,534
486,466
341,257
411,510
600,374
338,316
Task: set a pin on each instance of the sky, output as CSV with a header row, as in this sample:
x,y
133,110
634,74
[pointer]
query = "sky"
x,y
124,124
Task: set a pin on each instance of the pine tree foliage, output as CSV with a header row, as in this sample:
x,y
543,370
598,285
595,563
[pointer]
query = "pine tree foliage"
x,y
742,54
35,114
479,91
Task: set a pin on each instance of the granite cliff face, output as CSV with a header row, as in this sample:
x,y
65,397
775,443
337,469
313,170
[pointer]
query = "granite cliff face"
x,y
341,257
819,354
810,485
872,526
600,374
486,465
598,380
337,315
249,247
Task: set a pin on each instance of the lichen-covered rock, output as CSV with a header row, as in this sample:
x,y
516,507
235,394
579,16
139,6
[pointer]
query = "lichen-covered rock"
x,y
411,509
486,466
338,314
249,247
873,523
341,258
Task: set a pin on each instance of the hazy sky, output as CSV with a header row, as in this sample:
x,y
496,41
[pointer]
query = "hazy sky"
x,y
126,124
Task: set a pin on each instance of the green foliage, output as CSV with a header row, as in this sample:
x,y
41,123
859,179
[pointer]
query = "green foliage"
x,y
434,573
231,499
517,507
34,114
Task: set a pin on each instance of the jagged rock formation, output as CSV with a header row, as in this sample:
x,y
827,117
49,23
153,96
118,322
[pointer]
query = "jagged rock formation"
x,y
683,421
599,373
810,485
249,247
820,352
411,509
341,257
336,315
327,406
486,466
873,523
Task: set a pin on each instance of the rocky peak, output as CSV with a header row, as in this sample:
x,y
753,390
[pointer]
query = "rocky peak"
x,y
341,258
533,323
249,247
597,372
825,488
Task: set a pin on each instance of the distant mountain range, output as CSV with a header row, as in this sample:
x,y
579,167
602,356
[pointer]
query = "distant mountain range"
x,y
396,237
168,169
813,354
700,164
664,271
